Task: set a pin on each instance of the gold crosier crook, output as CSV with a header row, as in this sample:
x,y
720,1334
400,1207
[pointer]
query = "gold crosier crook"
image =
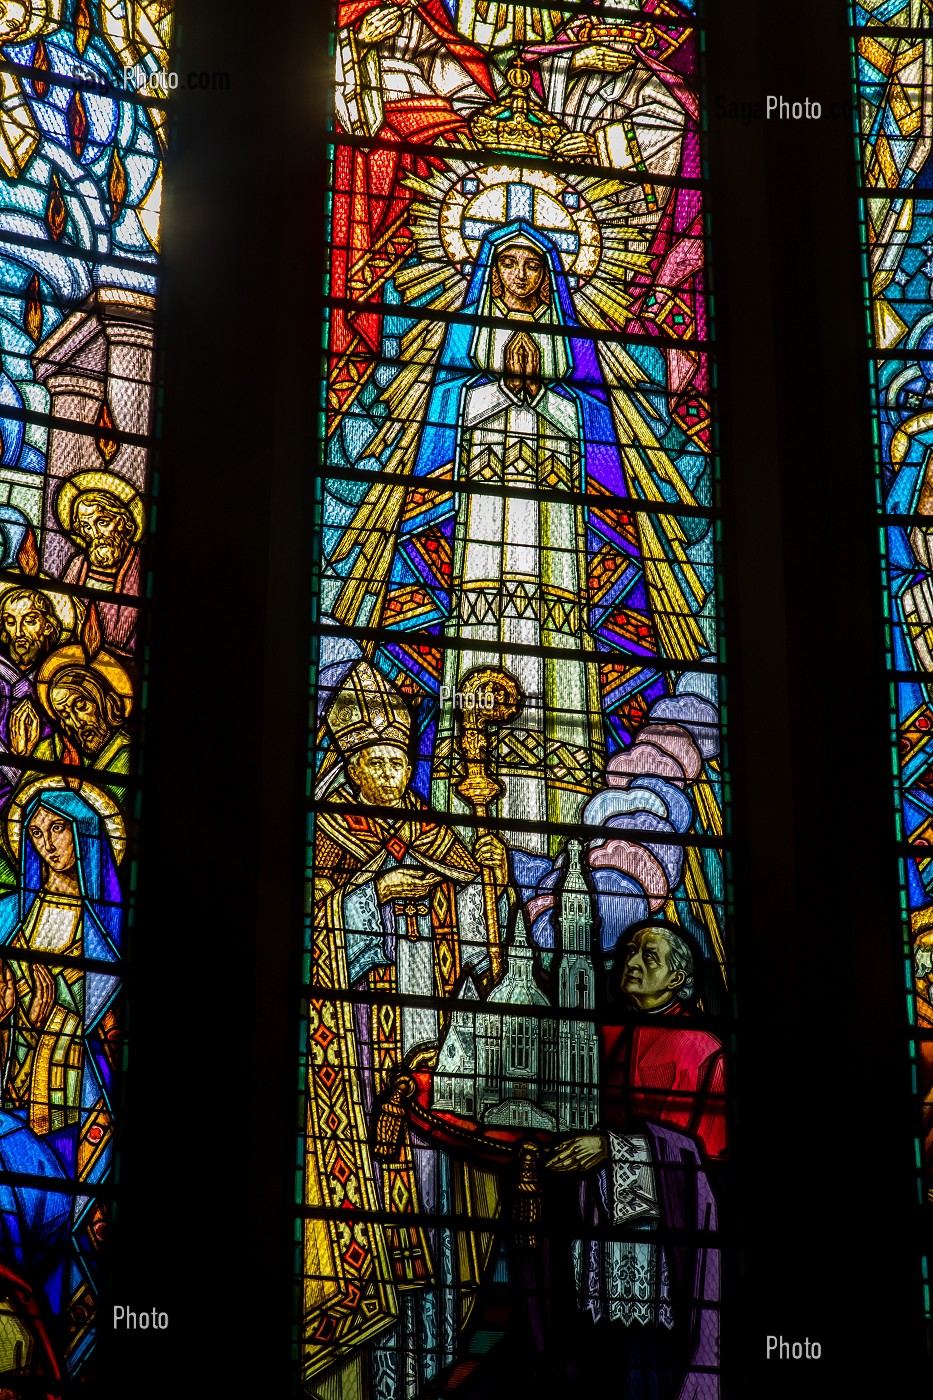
x,y
497,698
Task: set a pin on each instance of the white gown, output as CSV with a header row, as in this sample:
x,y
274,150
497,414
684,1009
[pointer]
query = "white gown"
x,y
519,579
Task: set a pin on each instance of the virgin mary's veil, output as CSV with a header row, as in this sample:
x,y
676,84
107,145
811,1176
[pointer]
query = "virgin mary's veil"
x,y
568,359
488,348
97,870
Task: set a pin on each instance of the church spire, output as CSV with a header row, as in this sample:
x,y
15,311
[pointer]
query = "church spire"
x,y
574,882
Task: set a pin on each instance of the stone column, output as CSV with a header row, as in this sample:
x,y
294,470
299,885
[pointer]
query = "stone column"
x,y
99,358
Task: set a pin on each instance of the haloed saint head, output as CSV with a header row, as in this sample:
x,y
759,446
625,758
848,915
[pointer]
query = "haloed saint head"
x,y
105,527
28,626
13,19
52,836
520,277
86,707
380,773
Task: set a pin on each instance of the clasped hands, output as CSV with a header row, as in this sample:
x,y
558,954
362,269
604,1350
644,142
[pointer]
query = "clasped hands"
x,y
43,996
42,1001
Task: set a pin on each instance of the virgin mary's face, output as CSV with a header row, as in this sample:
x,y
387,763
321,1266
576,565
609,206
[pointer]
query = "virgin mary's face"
x,y
522,273
52,837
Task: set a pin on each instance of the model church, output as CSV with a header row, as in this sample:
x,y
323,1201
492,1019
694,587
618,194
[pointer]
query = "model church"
x,y
506,1061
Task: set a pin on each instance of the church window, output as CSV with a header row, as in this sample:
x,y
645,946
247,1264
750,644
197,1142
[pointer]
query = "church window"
x,y
518,655
80,190
519,1044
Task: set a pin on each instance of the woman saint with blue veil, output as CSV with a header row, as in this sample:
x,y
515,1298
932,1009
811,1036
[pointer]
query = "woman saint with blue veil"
x,y
56,1073
519,402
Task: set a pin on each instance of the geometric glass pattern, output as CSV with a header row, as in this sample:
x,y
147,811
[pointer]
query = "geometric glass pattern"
x,y
894,96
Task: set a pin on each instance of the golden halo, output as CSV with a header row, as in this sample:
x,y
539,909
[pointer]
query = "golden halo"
x,y
454,208
104,806
43,16
62,606
74,486
487,197
103,663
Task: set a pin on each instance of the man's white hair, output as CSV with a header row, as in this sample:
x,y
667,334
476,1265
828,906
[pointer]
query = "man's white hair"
x,y
680,957
681,960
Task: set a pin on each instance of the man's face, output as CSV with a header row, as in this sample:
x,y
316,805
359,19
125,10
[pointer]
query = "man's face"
x,y
647,977
522,273
27,631
381,773
52,837
79,714
105,532
12,19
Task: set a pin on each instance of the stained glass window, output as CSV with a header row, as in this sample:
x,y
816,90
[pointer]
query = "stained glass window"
x,y
512,1054
80,189
894,90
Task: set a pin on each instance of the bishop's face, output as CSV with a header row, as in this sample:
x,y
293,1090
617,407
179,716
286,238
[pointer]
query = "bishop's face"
x,y
522,273
381,774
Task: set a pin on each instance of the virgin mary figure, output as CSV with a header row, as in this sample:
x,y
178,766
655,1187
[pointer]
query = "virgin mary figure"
x,y
56,1067
519,417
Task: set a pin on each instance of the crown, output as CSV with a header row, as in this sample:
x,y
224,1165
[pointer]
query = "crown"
x,y
367,709
592,31
521,125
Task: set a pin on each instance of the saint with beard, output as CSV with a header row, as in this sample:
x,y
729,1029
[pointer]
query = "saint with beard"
x,y
32,624
89,699
104,516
